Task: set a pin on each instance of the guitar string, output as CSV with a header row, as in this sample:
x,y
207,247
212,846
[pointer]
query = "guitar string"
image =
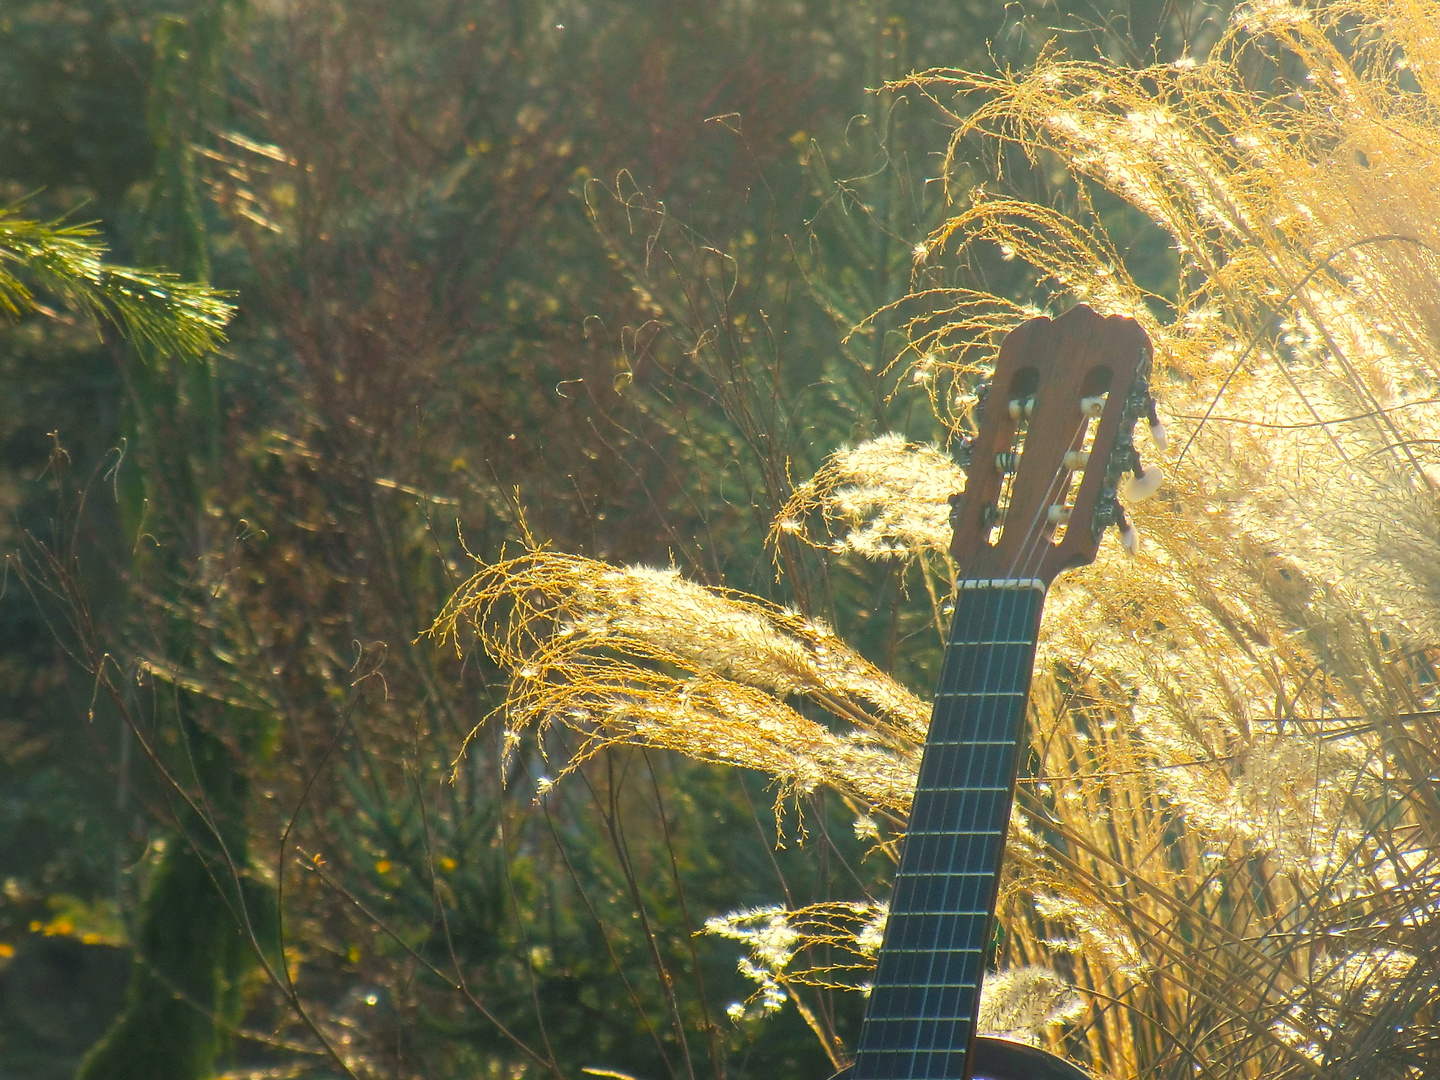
x,y
951,881
1036,543
984,723
944,901
988,716
1032,547
899,1000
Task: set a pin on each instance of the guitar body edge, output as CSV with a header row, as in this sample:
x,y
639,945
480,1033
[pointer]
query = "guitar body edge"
x,y
1002,1059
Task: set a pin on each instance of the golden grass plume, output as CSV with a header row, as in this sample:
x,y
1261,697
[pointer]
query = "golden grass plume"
x,y
644,656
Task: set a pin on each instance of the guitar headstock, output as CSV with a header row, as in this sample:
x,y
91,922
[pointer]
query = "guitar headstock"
x,y
1055,442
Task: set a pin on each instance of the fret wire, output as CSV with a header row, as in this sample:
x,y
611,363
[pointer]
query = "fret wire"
x,y
988,694
962,950
889,981
987,644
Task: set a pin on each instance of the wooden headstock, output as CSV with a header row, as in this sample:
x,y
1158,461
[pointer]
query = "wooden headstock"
x,y
1062,389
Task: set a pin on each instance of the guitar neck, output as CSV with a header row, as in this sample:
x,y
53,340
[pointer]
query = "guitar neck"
x,y
920,1022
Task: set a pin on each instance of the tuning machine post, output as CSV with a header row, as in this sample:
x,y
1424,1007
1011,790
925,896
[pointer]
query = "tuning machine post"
x,y
1147,479
954,501
982,392
965,452
1142,480
1129,538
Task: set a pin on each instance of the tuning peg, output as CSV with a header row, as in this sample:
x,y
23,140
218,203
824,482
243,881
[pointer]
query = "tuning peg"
x,y
1022,407
1157,429
1007,462
1129,538
1076,459
1107,505
1058,515
954,501
1143,484
1093,406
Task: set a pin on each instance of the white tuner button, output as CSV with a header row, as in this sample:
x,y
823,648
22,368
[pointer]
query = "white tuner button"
x,y
1058,515
1076,459
1129,539
1158,436
1143,484
1093,406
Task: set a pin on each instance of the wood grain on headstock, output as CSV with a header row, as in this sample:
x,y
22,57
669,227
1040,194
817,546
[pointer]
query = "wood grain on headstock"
x,y
1058,362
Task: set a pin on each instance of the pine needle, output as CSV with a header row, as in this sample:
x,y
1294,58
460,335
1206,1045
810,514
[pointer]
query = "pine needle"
x,y
158,313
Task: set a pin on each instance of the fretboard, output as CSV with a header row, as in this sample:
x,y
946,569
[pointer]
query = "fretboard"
x,y
921,1015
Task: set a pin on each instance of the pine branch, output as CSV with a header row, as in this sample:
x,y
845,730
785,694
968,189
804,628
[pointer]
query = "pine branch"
x,y
160,314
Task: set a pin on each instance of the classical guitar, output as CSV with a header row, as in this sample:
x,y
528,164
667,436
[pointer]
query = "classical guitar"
x,y
1044,470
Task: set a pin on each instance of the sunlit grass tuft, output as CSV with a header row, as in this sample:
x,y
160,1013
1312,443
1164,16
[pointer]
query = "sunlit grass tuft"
x,y
640,655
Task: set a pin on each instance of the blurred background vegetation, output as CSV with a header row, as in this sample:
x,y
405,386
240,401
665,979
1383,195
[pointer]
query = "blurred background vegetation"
x,y
590,267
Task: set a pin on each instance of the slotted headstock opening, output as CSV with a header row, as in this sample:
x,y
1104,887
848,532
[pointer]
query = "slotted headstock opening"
x,y
1094,392
1055,435
1019,398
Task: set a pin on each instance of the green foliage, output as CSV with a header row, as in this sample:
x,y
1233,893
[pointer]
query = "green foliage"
x,y
160,314
191,957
